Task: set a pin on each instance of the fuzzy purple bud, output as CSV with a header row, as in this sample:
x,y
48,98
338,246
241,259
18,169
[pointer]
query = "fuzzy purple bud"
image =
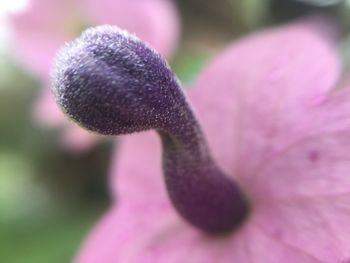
x,y
110,82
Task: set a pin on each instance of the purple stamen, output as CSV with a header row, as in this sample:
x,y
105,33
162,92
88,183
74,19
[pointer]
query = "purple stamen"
x,y
110,82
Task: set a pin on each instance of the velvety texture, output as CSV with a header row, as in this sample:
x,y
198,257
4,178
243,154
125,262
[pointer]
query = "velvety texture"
x,y
111,82
40,30
275,123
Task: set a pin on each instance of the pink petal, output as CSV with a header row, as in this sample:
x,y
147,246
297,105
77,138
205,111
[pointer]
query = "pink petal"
x,y
303,192
255,245
46,110
254,95
136,171
317,163
39,31
313,167
143,226
77,140
153,234
318,225
126,231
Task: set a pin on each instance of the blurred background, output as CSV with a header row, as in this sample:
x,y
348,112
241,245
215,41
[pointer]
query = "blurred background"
x,y
53,175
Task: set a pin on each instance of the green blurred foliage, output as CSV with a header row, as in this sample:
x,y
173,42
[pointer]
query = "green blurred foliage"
x,y
188,64
43,189
52,237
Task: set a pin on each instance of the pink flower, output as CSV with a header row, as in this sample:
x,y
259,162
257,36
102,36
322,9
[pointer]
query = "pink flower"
x,y
41,29
275,124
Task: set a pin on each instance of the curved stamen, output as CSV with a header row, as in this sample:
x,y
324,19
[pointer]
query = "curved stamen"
x,y
111,82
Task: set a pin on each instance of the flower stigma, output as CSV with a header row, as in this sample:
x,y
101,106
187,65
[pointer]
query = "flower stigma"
x,y
112,83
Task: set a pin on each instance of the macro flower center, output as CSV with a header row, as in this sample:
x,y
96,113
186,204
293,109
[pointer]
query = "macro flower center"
x,y
110,82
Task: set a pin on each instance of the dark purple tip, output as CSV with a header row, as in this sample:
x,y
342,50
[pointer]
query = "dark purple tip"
x,y
111,82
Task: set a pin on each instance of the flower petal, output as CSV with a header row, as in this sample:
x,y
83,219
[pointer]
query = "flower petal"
x,y
136,171
155,234
316,166
77,140
304,191
255,94
39,30
317,163
147,234
144,227
46,111
125,231
255,245
317,225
